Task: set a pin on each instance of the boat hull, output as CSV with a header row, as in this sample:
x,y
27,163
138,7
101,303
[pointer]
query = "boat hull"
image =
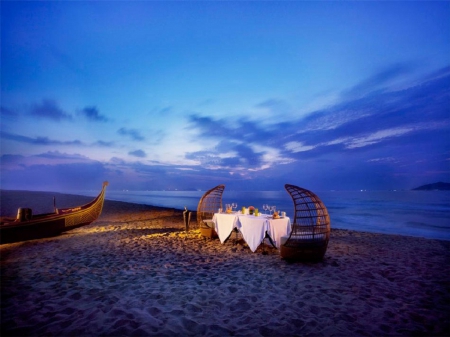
x,y
47,225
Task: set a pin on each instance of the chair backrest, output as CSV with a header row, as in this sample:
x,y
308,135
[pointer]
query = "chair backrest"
x,y
209,204
309,211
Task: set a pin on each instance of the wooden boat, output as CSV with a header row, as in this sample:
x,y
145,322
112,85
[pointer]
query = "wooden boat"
x,y
27,226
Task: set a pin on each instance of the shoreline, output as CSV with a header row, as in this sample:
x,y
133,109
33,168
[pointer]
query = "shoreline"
x,y
135,271
42,202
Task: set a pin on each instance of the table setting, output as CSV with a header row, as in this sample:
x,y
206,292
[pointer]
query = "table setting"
x,y
252,224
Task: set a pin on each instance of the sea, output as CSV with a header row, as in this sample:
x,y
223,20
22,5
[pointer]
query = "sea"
x,y
413,213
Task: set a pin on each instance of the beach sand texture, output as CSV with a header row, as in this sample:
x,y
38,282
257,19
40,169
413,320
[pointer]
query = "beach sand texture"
x,y
135,272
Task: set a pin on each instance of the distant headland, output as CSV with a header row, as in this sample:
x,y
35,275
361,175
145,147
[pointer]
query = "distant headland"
x,y
432,187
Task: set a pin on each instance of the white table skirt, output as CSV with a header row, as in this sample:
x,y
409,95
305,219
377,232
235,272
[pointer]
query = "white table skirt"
x,y
253,228
227,223
279,228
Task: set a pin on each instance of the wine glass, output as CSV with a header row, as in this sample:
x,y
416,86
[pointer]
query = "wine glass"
x,y
265,208
234,205
273,208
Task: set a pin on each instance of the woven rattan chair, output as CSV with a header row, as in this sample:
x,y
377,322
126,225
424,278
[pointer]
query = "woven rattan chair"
x,y
209,204
310,232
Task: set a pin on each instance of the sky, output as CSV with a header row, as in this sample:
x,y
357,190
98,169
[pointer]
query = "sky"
x,y
326,95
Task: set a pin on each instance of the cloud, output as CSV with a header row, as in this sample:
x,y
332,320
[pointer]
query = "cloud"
x,y
165,110
9,162
378,80
59,155
277,108
205,158
442,72
242,130
377,137
132,133
93,114
11,159
102,143
384,139
274,105
370,138
161,111
5,112
232,155
298,147
50,142
409,124
382,160
49,109
228,154
59,177
138,153
38,140
247,156
378,118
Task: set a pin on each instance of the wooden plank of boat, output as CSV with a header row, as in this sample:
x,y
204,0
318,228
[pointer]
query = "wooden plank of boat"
x,y
27,226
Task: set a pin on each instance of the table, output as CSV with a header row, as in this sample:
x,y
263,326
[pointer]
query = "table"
x,y
253,228
227,223
279,228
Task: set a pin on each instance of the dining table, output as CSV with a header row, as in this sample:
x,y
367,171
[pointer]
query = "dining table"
x,y
254,229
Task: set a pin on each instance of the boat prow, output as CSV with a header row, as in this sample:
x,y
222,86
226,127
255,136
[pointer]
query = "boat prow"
x,y
27,226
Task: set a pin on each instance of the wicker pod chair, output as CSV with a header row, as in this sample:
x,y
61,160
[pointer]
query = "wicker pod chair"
x,y
308,240
209,204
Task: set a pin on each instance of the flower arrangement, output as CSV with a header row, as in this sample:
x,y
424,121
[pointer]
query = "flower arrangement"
x,y
251,209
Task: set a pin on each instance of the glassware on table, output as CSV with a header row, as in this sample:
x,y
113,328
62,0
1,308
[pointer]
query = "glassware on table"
x,y
234,205
265,208
273,209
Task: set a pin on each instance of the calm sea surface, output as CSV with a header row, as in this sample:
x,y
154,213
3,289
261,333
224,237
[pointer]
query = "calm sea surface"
x,y
414,213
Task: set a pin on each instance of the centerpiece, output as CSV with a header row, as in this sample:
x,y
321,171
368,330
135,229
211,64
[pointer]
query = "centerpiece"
x,y
251,210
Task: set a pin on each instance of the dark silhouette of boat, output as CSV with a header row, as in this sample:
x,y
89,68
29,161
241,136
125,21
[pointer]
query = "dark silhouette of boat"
x,y
28,226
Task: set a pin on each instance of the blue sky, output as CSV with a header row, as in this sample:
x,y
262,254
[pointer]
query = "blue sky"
x,y
187,95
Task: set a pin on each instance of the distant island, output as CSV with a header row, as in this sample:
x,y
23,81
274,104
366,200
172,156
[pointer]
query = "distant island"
x,y
432,187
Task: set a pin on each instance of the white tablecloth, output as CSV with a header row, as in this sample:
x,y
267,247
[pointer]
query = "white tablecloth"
x,y
224,224
279,228
253,229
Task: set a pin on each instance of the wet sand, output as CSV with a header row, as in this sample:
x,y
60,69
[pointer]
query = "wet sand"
x,y
136,272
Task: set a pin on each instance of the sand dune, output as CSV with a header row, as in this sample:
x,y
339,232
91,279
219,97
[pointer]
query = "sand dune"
x,y
135,272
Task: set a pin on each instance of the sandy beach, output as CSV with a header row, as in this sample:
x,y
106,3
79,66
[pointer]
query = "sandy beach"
x,y
136,272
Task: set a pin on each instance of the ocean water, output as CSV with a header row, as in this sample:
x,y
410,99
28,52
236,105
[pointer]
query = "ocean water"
x,y
414,213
